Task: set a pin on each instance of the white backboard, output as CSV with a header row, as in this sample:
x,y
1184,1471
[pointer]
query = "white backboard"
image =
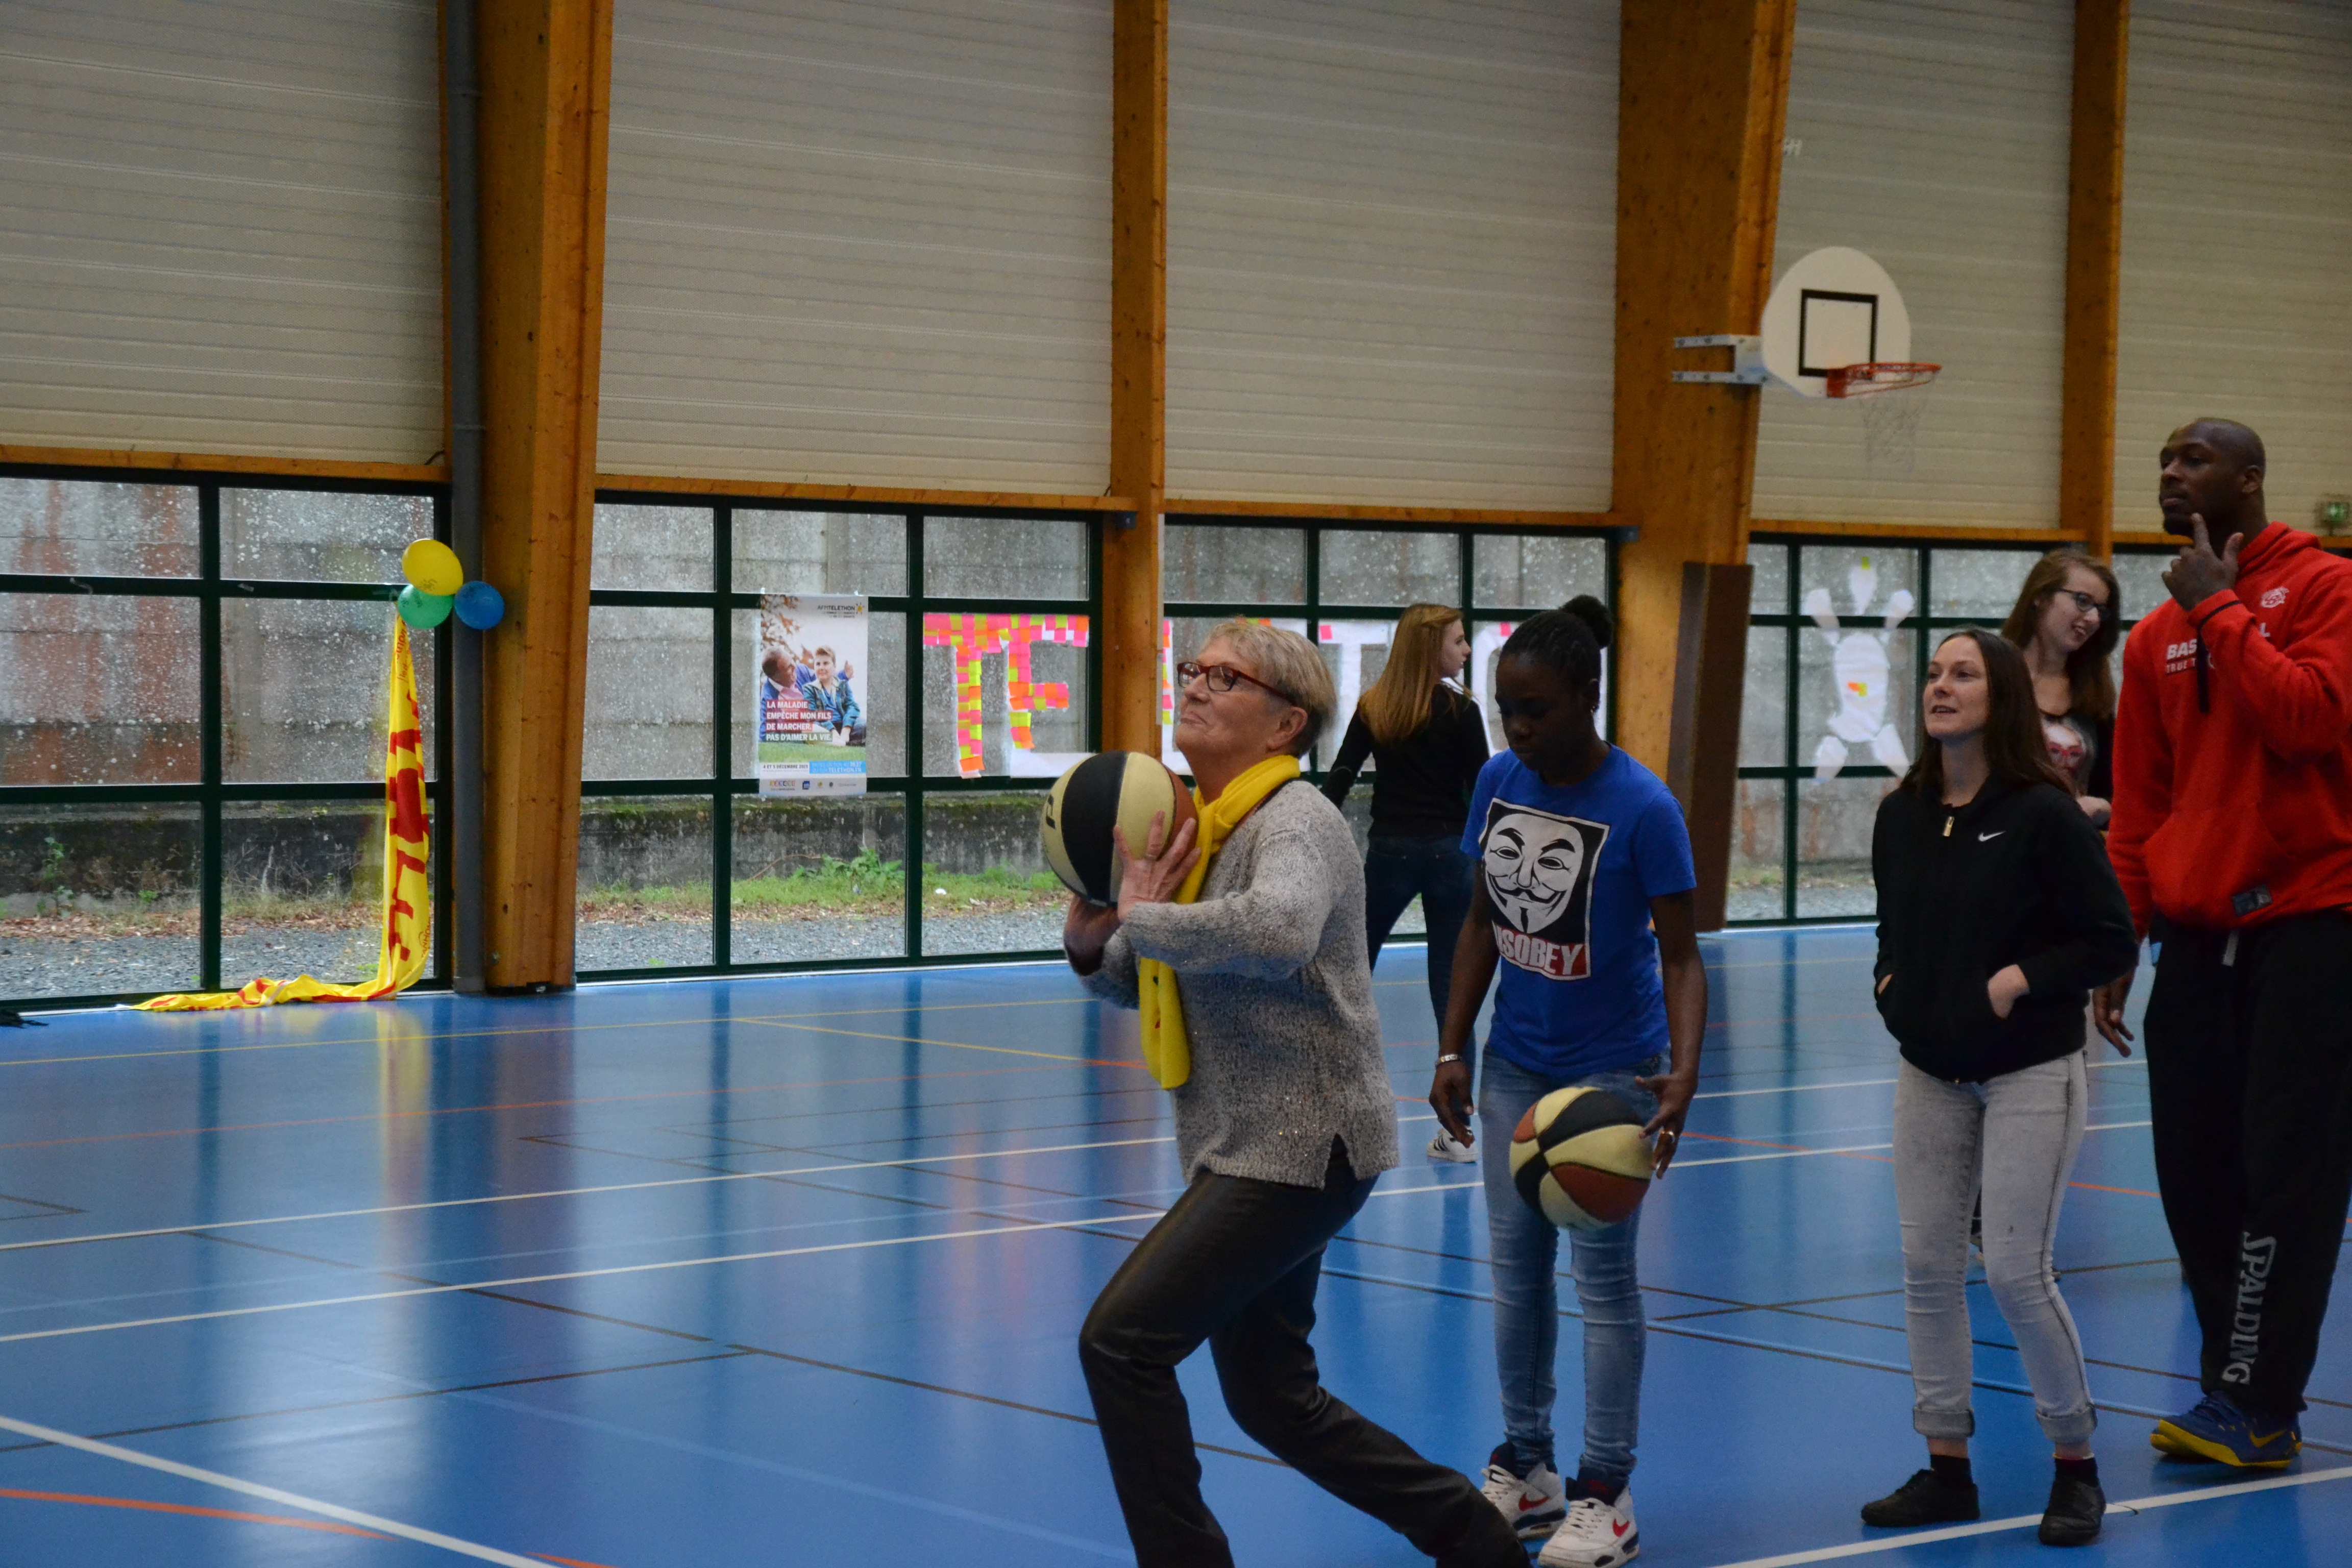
x,y
1836,307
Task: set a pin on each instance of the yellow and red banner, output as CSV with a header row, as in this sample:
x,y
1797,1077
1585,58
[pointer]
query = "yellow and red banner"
x,y
407,925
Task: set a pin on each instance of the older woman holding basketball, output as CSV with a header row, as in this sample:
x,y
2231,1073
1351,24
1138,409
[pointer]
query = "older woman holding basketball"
x,y
1997,913
1242,940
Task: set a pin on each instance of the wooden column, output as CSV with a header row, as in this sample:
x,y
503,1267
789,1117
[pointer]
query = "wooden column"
x,y
2095,248
546,68
1702,98
1139,371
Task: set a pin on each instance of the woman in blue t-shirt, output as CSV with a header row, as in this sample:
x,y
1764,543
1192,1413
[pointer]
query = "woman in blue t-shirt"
x,y
1581,852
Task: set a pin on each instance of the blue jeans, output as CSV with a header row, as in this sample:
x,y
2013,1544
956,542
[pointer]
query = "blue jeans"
x,y
1397,869
1525,1248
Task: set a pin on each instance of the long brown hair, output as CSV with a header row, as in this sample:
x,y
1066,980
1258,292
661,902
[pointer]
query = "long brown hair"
x,y
2015,748
2088,671
1398,703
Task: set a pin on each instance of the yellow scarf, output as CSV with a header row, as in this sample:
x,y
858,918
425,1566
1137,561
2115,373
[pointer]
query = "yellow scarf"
x,y
1166,1051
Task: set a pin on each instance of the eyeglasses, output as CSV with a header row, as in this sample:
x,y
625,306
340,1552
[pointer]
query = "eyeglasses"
x,y
2084,602
1221,678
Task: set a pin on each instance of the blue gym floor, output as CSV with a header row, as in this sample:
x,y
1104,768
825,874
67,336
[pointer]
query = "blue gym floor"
x,y
787,1271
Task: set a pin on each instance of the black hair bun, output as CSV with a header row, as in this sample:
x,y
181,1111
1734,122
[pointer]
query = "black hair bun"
x,y
1593,614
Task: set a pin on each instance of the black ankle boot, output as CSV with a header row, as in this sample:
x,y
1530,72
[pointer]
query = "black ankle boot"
x,y
2076,1508
1925,1498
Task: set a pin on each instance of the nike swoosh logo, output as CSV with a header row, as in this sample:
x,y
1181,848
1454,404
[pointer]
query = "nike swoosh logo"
x,y
1621,1527
1981,837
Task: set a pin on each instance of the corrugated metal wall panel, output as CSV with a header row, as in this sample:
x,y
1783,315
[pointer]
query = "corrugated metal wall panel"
x,y
220,227
1391,251
1935,138
2237,274
861,241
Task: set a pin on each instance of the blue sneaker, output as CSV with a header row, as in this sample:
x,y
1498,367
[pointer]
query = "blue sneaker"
x,y
2217,1429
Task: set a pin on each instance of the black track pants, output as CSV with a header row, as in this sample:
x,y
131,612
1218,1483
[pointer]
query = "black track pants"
x,y
2250,1076
1235,1263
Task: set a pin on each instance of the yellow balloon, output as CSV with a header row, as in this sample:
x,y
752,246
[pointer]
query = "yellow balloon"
x,y
431,567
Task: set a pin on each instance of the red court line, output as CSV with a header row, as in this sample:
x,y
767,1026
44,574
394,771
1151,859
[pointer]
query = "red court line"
x,y
567,1562
144,1506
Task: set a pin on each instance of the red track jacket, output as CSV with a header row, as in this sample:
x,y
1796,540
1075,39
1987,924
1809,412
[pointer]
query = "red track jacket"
x,y
2233,781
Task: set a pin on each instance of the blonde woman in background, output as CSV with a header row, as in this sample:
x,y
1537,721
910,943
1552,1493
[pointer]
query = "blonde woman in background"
x,y
1428,741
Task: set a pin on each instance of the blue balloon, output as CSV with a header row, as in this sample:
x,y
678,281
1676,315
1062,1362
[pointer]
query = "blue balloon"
x,y
480,607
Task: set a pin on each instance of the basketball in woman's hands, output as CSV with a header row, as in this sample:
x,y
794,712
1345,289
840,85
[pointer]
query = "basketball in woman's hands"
x,y
1110,789
1577,1158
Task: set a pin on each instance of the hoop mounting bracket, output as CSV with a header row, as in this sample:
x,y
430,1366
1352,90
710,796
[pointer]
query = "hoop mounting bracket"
x,y
1746,360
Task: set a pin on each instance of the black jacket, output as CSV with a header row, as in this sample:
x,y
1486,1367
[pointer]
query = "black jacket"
x,y
1422,783
2016,875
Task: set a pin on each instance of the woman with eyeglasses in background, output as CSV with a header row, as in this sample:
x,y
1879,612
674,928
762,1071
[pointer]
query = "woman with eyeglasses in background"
x,y
1427,740
2066,621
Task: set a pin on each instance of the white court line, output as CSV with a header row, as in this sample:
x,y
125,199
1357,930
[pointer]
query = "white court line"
x,y
1994,1526
271,1494
576,1192
1791,1089
577,1274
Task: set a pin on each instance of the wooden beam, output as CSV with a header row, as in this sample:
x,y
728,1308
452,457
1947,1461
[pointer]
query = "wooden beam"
x,y
226,463
546,69
2095,247
1916,533
1139,375
1703,91
865,495
1184,506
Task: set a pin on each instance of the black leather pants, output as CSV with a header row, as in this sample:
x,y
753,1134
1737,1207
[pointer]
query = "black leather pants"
x,y
1235,1262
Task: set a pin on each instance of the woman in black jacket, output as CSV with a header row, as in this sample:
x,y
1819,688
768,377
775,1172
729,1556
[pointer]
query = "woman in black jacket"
x,y
1997,913
1429,740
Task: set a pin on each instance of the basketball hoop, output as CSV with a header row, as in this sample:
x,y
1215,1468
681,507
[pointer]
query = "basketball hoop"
x,y
1878,376
1890,425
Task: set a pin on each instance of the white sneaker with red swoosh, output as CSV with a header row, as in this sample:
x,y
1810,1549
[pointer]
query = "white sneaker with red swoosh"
x,y
1532,1502
1595,1534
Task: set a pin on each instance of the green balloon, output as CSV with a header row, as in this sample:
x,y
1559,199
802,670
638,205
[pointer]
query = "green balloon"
x,y
422,610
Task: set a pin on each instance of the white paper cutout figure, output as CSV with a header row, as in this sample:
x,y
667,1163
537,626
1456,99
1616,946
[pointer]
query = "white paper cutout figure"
x,y
1859,664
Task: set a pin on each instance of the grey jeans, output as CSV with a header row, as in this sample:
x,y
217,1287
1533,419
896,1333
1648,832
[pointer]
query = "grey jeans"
x,y
2017,1135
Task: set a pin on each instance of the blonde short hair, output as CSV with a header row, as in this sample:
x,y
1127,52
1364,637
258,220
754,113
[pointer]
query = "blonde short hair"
x,y
1291,664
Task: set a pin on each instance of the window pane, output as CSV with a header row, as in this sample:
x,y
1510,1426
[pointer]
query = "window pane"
x,y
1368,568
652,547
1980,583
986,887
1219,564
302,890
1757,833
1182,639
880,688
1857,698
1769,596
318,537
1005,558
1834,827
99,690
96,899
71,526
645,882
1486,640
1003,694
818,879
820,553
1538,572
2141,578
648,694
304,692
1764,699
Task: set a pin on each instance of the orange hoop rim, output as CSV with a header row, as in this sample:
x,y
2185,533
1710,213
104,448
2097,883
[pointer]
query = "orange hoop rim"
x,y
1879,375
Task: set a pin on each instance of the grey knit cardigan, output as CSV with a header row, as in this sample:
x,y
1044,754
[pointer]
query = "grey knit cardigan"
x,y
1277,995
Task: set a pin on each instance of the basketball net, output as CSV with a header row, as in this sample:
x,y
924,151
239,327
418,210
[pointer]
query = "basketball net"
x,y
1890,425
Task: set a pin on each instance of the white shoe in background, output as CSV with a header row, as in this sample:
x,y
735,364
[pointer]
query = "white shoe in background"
x,y
1595,1534
1443,1147
1533,1503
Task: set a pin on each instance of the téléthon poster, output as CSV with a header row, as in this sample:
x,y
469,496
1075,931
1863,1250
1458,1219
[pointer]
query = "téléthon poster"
x,y
810,667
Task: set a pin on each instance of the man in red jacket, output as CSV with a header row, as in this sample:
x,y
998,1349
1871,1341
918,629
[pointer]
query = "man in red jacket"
x,y
2232,838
